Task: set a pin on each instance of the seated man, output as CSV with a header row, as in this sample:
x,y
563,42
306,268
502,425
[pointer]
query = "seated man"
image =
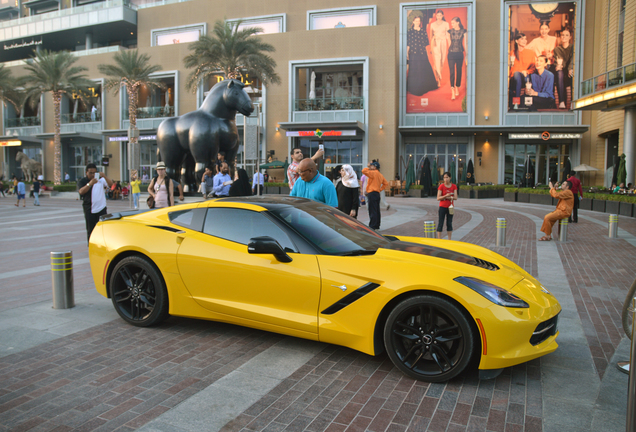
x,y
563,209
542,90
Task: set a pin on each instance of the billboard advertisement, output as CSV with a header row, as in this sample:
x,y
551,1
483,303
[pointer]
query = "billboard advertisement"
x,y
436,60
541,56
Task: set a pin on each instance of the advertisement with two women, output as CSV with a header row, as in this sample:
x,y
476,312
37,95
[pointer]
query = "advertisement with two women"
x,y
436,58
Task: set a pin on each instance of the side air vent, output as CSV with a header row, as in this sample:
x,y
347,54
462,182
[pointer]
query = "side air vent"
x,y
485,264
167,228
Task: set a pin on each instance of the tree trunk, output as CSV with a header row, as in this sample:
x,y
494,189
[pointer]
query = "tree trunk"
x,y
134,153
57,140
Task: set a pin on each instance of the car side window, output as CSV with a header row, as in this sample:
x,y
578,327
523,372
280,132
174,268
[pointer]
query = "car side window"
x,y
239,225
191,218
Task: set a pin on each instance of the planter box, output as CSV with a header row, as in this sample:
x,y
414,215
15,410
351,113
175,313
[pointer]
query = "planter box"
x,y
500,193
510,196
540,199
626,209
466,193
599,206
416,193
585,204
611,207
481,194
523,197
285,190
272,190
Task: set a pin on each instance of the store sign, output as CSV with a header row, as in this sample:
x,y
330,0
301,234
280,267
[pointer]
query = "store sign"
x,y
12,143
320,134
141,138
545,136
23,44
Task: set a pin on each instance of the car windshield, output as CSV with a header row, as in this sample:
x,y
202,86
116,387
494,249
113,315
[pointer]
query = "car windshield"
x,y
331,230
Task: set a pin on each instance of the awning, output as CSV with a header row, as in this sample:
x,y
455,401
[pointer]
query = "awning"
x,y
419,131
323,126
93,136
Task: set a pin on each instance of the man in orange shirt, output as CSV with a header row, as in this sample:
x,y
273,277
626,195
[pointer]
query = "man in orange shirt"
x,y
563,209
375,185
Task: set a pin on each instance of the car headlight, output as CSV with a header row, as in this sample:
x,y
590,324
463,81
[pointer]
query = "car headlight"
x,y
492,292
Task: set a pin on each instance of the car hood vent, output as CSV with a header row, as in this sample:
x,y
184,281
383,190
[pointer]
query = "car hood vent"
x,y
441,253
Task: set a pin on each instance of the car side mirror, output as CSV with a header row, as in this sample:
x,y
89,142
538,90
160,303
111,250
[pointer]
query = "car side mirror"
x,y
267,245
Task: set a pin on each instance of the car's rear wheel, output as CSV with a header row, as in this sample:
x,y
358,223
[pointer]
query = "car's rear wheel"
x,y
139,292
429,338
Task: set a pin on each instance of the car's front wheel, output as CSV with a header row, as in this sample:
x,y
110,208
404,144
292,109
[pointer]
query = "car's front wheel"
x,y
139,292
429,338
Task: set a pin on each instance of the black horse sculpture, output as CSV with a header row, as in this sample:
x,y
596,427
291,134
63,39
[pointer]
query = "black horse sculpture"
x,y
193,140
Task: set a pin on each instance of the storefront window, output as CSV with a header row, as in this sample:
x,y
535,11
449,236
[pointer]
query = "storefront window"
x,y
329,88
154,102
546,163
443,155
337,152
83,154
148,160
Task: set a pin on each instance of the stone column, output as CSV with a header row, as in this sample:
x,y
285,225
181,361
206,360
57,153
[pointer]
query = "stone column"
x,y
629,143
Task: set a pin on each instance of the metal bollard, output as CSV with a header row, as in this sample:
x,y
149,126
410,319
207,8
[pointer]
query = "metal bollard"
x,y
613,226
631,386
62,277
501,231
563,230
429,229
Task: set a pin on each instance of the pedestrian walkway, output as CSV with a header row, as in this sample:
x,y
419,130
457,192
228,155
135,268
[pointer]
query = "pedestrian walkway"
x,y
85,369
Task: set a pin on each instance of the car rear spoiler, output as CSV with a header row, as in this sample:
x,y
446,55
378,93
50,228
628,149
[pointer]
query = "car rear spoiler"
x,y
122,214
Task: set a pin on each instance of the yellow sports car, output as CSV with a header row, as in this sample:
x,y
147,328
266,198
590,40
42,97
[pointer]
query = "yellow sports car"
x,y
301,268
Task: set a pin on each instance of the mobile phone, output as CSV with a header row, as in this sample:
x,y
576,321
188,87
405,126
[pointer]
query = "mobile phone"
x,y
321,147
96,176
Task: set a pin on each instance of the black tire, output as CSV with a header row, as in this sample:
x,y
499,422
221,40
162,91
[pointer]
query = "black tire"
x,y
139,292
429,338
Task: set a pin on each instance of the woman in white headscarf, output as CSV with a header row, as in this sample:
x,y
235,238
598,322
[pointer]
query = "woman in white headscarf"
x,y
347,188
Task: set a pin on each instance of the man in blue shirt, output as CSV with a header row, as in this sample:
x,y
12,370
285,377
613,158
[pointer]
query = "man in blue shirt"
x,y
313,185
222,181
542,90
21,193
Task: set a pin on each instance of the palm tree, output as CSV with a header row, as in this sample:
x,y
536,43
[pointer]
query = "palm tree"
x,y
7,87
232,52
131,71
53,72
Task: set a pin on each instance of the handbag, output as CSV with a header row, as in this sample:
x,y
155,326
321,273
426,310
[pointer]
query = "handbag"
x,y
451,209
151,202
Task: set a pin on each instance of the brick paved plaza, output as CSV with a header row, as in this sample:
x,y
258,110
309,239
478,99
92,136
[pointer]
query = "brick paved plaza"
x,y
84,369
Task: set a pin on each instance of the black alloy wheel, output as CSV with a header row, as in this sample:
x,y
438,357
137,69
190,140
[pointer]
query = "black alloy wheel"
x,y
139,292
429,338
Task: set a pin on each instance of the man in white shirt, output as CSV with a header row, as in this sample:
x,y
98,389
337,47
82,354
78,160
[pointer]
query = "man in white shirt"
x,y
258,179
92,191
297,156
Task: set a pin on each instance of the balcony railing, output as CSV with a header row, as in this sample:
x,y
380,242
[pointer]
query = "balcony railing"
x,y
23,122
351,103
152,112
82,117
68,12
609,79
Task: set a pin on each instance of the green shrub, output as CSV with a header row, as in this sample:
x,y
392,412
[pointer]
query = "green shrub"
x,y
535,191
511,189
272,184
416,186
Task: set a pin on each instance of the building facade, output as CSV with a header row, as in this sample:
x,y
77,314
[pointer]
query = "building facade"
x,y
451,82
